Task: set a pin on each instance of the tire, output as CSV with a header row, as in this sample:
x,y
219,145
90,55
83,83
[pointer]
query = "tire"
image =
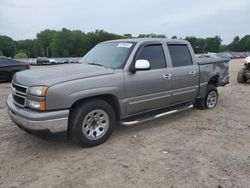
x,y
200,104
240,77
211,99
91,123
203,103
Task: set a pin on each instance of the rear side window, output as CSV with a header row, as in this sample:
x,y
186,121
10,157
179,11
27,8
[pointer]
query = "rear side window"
x,y
154,54
180,55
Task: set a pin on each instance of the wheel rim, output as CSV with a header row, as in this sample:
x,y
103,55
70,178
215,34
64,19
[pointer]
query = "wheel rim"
x,y
212,99
95,124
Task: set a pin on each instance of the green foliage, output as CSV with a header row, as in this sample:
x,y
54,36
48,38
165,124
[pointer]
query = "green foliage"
x,y
198,44
234,45
224,48
211,44
65,43
26,46
128,36
44,40
76,43
7,46
21,55
244,43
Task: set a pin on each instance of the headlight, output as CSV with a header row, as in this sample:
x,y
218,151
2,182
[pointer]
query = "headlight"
x,y
36,104
38,91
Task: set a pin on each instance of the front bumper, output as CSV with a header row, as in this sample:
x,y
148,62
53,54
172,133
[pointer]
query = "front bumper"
x,y
48,125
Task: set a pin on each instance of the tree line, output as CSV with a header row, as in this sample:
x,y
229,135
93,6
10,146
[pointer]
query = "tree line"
x,y
68,43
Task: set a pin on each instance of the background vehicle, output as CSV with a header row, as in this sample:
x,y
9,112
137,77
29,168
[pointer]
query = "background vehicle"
x,y
42,61
52,61
32,61
244,73
126,81
8,68
235,56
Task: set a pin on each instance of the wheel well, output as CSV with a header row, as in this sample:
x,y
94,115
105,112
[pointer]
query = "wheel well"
x,y
109,98
214,80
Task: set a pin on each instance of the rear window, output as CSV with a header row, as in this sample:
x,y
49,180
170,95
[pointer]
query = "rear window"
x,y
180,55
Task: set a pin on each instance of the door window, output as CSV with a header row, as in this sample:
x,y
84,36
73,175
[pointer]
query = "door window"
x,y
180,55
154,54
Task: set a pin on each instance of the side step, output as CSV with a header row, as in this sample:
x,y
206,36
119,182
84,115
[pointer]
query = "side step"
x,y
141,119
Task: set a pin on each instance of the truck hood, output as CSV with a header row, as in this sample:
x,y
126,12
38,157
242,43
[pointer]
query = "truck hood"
x,y
58,73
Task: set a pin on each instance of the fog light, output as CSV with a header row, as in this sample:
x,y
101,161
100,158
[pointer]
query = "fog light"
x,y
36,105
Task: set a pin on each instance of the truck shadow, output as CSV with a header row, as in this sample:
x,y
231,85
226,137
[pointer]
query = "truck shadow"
x,y
37,145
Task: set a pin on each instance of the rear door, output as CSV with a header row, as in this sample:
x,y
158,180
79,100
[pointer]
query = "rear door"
x,y
148,89
185,74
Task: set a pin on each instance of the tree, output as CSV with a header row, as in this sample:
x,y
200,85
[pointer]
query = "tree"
x,y
27,46
44,40
21,55
244,43
198,44
224,48
65,43
234,45
7,46
127,35
213,44
174,37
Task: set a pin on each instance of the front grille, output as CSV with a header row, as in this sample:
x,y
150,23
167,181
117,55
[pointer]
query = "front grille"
x,y
19,100
19,94
19,88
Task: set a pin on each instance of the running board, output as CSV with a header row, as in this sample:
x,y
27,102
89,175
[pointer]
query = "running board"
x,y
156,116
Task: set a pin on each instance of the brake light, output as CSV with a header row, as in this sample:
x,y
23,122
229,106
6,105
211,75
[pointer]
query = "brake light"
x,y
26,66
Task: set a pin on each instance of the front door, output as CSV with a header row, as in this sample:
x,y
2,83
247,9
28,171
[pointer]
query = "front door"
x,y
148,89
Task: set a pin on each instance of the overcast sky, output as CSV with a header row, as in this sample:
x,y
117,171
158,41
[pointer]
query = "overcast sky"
x,y
22,19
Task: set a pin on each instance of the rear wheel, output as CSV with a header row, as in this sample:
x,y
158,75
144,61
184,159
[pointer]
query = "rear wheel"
x,y
91,122
211,99
241,77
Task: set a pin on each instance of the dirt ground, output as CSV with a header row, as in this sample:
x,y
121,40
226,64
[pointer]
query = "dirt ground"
x,y
195,148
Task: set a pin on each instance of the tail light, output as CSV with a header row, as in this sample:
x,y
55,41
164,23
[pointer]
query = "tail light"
x,y
27,66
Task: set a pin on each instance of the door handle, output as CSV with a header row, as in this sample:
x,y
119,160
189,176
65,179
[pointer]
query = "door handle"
x,y
167,76
192,73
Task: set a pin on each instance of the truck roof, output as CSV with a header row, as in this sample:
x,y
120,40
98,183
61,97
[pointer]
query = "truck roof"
x,y
141,40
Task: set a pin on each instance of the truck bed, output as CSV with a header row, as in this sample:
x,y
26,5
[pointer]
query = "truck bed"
x,y
217,68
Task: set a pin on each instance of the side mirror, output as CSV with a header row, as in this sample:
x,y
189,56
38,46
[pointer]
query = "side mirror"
x,y
142,64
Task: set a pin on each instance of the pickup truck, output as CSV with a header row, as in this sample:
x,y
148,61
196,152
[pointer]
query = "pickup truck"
x,y
125,81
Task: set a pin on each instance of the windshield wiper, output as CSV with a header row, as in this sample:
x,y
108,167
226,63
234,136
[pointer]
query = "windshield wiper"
x,y
97,64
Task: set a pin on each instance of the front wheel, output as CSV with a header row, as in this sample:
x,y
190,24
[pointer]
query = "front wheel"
x,y
91,123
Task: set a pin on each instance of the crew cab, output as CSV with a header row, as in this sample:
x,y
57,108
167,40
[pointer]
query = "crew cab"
x,y
117,82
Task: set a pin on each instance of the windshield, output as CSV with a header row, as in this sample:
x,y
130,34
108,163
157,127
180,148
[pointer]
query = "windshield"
x,y
112,55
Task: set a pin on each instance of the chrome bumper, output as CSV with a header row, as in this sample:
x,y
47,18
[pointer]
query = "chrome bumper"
x,y
54,122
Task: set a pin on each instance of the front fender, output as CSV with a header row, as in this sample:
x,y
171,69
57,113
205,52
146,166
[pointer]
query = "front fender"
x,y
64,95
